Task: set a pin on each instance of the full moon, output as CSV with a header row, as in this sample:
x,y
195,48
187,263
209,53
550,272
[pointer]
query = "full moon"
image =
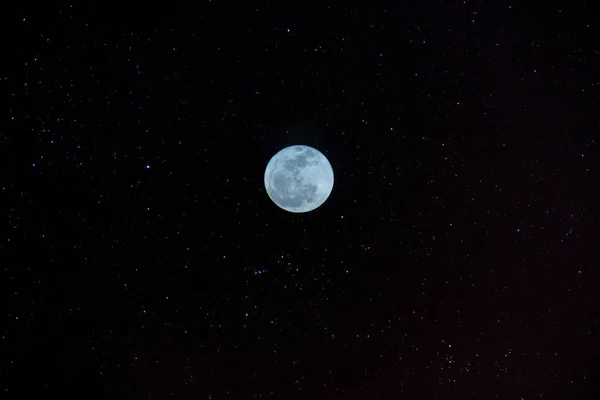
x,y
299,179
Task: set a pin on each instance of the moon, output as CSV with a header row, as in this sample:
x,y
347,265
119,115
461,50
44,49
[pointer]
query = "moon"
x,y
299,179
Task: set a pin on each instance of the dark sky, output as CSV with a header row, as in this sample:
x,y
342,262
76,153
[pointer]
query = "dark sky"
x,y
456,258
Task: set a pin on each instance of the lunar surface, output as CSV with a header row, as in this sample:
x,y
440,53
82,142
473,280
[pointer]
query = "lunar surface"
x,y
299,178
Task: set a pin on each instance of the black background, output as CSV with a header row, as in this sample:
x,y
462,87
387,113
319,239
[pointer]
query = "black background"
x,y
456,257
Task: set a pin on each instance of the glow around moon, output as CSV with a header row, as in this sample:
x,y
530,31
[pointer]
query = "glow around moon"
x,y
299,178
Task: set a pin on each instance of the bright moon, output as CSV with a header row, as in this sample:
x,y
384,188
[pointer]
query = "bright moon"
x,y
299,179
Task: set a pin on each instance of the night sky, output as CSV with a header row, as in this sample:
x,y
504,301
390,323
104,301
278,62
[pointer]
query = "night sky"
x,y
456,258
